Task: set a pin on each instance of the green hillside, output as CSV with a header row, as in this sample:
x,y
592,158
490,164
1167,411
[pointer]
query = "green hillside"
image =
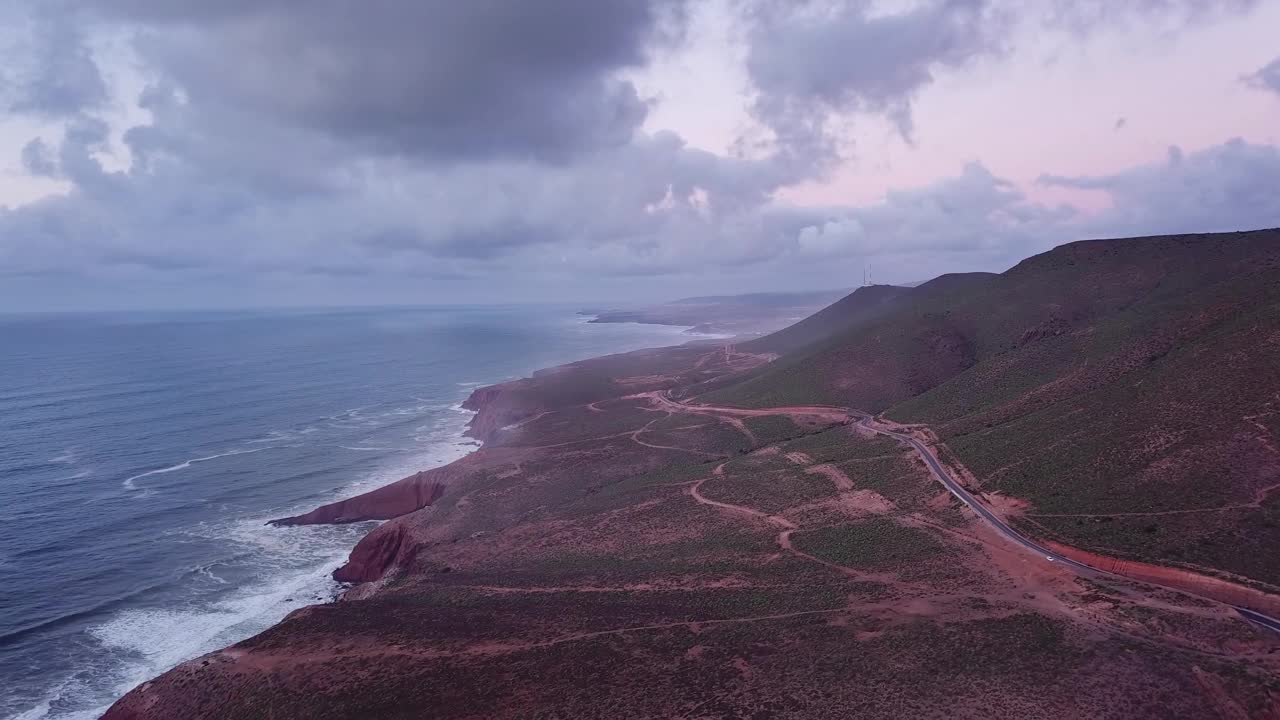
x,y
1102,377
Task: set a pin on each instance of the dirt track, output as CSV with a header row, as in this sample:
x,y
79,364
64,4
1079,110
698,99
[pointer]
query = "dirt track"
x,y
1251,603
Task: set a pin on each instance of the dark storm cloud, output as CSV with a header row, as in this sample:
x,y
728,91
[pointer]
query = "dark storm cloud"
x,y
441,79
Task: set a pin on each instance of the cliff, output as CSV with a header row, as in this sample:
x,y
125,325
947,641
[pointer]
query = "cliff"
x,y
399,498
387,547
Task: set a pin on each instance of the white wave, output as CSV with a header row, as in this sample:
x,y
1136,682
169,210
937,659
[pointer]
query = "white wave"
x,y
368,449
207,571
287,567
40,711
129,484
292,568
351,412
163,638
66,457
272,437
442,440
69,689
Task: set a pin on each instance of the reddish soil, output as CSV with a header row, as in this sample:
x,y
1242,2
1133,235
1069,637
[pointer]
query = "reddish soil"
x,y
696,494
1227,592
832,473
1195,583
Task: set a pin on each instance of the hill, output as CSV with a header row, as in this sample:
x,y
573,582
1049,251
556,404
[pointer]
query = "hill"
x,y
1129,390
859,306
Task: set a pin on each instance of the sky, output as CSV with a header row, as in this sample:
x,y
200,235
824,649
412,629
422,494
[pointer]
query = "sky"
x,y
187,154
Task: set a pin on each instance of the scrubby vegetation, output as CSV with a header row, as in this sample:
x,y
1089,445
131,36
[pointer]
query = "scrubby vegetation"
x,y
770,429
1102,377
873,544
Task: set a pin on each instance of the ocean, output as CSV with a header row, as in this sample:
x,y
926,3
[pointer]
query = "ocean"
x,y
142,453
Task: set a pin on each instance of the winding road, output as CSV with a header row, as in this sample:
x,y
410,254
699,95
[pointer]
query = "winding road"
x,y
965,497
941,475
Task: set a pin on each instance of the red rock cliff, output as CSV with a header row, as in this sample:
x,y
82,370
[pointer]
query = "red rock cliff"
x,y
497,406
388,546
399,498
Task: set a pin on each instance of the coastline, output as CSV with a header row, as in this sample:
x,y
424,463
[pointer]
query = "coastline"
x,y
415,491
488,416
256,607
493,408
499,410
485,417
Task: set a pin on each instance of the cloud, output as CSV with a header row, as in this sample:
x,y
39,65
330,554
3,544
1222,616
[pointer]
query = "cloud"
x,y
37,159
1221,188
812,60
977,219
499,141
975,213
440,81
1087,16
48,68
297,203
1266,78
435,167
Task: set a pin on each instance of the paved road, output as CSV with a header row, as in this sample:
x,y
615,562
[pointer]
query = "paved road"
x,y
965,497
1258,618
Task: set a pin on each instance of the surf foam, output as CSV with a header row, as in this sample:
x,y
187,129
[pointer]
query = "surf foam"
x,y
129,484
